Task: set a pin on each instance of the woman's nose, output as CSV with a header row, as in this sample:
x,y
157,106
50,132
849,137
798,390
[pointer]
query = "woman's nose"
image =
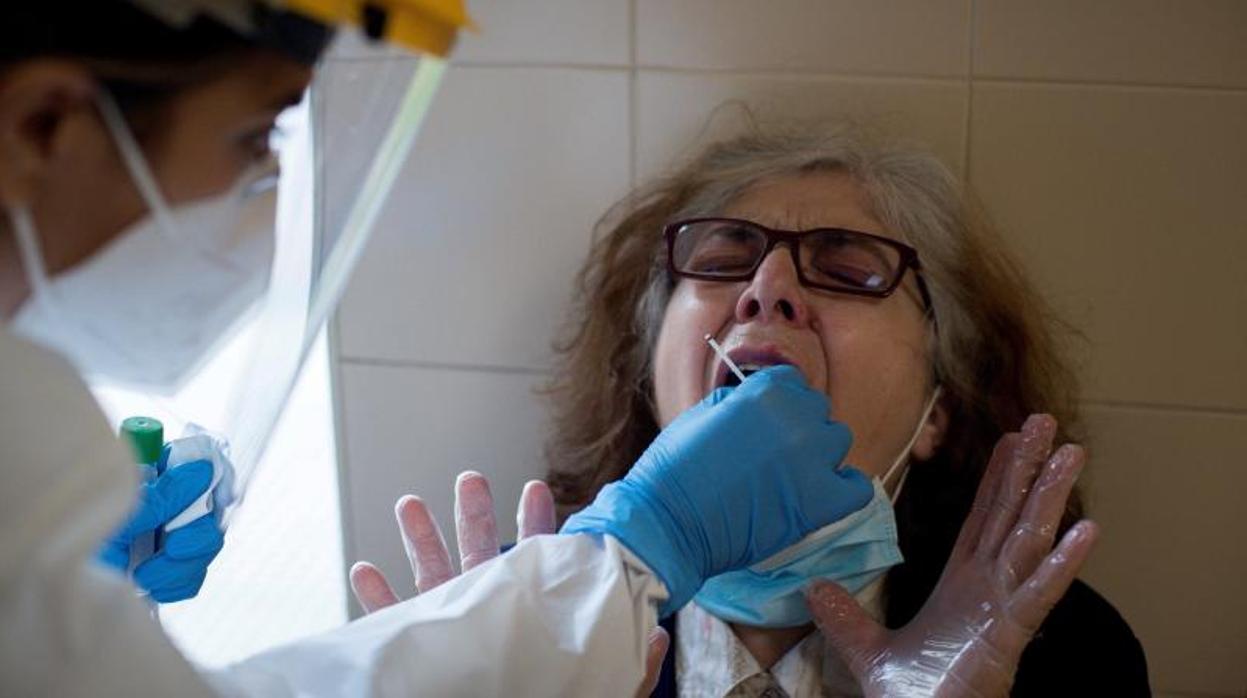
x,y
775,293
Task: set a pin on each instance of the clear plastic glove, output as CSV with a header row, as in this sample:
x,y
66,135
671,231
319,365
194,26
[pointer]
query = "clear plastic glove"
x,y
1002,579
475,528
734,479
477,532
177,570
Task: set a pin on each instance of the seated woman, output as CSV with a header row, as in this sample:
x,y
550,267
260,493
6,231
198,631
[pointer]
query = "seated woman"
x,y
861,264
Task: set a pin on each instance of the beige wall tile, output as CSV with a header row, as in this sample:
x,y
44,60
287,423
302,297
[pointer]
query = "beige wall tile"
x,y
1192,42
1167,489
674,110
473,256
412,431
1128,207
907,37
547,31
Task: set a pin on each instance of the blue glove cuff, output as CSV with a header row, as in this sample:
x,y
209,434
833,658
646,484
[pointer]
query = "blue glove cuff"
x,y
646,531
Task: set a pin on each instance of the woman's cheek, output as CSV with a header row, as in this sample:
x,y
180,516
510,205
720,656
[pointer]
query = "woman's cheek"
x,y
680,356
670,379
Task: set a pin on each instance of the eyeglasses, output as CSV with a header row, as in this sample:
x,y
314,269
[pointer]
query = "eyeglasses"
x,y
832,259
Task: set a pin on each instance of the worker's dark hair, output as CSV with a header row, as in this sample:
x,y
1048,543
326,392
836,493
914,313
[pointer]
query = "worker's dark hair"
x,y
138,57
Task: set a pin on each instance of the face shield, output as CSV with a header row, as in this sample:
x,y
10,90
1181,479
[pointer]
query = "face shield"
x,y
272,267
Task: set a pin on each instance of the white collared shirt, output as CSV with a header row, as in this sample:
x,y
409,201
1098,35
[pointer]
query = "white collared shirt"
x,y
711,662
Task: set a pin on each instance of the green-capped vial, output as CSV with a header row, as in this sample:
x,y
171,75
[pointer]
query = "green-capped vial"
x,y
146,437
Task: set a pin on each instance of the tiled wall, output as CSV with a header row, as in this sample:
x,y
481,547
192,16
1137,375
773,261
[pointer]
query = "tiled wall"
x,y
1109,139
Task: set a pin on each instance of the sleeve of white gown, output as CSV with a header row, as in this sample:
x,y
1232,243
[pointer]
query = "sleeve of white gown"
x,y
557,615
71,628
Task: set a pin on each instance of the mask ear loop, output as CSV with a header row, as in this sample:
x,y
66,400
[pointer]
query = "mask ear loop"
x,y
904,457
31,252
136,164
149,189
930,406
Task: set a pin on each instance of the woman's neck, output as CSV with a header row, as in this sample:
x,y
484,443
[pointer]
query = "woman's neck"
x,y
769,645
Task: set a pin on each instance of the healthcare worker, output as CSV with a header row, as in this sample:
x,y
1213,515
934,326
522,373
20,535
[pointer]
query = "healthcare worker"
x,y
131,136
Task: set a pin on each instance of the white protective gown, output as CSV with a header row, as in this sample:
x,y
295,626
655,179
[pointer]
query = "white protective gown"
x,y
558,615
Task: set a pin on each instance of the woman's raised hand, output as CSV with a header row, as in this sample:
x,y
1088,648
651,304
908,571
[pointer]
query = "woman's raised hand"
x,y
477,533
1002,579
475,528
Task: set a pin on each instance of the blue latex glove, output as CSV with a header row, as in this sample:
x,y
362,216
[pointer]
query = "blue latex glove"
x,y
177,570
741,475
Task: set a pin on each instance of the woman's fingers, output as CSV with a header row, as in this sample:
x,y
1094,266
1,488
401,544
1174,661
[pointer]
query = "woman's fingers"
x,y
846,626
474,520
655,651
1026,460
423,541
972,529
1035,532
535,516
371,588
475,528
1036,597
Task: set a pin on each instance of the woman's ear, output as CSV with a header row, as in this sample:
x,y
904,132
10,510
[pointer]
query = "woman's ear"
x,y
931,437
38,98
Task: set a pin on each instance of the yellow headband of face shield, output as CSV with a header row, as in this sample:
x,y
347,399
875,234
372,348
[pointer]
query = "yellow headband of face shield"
x,y
421,26
427,26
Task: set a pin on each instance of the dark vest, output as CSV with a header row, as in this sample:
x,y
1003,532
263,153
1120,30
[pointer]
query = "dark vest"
x,y
1084,648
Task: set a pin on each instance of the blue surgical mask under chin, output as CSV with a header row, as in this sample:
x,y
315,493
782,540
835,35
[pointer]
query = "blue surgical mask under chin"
x,y
853,552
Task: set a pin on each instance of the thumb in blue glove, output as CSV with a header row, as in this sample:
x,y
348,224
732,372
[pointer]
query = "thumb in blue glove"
x,y
739,476
178,569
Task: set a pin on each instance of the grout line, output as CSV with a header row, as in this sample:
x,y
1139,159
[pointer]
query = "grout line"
x,y
632,42
443,366
969,114
398,58
633,90
799,73
1124,86
470,63
530,65
718,72
899,78
805,74
338,417
1165,407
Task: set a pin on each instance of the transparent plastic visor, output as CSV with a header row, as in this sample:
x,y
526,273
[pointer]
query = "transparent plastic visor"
x,y
341,152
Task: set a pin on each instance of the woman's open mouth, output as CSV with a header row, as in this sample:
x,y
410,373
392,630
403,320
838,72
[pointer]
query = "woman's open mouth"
x,y
750,360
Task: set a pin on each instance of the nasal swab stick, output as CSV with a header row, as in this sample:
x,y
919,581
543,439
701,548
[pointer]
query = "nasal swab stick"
x,y
724,357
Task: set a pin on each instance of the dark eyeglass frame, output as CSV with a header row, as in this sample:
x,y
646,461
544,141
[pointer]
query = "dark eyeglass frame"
x,y
908,257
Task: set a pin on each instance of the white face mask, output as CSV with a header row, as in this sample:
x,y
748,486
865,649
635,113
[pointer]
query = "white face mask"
x,y
146,310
